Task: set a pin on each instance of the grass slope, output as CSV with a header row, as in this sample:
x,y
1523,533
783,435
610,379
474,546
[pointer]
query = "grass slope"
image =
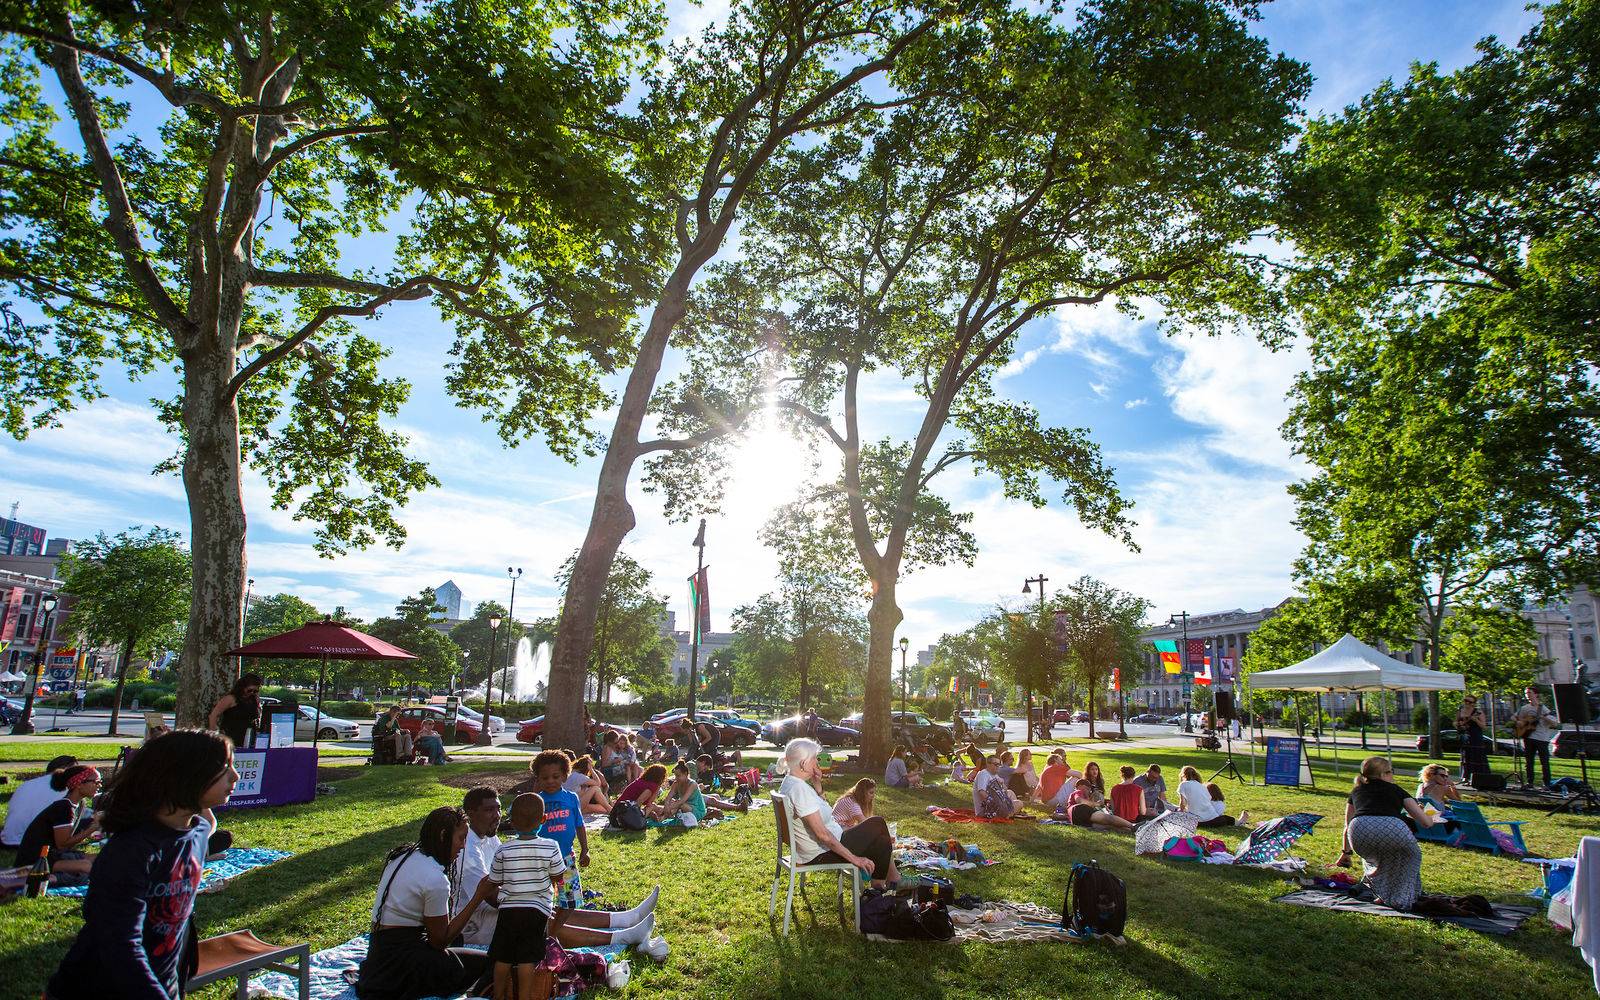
x,y
1194,931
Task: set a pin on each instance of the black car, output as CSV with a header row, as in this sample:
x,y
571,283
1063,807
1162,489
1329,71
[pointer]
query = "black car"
x,y
1451,743
1568,741
778,732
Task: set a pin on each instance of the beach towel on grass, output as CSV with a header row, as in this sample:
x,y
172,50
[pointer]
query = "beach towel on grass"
x,y
1002,922
329,966
962,816
235,861
1505,920
915,852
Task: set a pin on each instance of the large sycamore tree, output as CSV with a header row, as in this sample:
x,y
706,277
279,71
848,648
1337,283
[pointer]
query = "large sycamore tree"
x,y
1446,252
181,182
1124,158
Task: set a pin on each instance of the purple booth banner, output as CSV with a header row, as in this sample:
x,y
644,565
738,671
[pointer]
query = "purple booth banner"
x,y
275,777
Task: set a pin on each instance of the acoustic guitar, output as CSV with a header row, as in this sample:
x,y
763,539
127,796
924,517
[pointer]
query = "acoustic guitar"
x,y
1524,725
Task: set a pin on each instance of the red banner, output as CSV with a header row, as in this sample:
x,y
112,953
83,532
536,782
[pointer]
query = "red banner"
x,y
13,609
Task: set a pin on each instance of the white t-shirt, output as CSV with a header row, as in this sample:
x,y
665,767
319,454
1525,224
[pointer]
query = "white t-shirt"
x,y
27,801
980,788
474,862
418,889
575,781
803,801
1198,802
527,870
1543,731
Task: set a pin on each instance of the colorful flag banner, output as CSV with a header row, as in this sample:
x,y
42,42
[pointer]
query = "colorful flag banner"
x,y
1197,652
694,608
1116,679
1203,675
1227,668
1168,650
955,685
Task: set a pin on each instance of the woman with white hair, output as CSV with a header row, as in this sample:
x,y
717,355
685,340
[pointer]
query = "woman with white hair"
x,y
817,835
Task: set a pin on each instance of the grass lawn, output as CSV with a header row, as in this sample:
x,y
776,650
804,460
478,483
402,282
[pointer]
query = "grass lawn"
x,y
1194,931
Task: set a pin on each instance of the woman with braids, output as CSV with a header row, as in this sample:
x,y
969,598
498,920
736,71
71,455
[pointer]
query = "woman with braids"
x,y
137,939
408,950
239,711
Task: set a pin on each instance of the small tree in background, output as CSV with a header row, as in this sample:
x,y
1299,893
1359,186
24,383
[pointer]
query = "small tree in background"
x,y
130,590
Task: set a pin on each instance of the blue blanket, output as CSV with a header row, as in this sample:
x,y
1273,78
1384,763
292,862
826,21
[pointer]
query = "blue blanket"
x,y
235,861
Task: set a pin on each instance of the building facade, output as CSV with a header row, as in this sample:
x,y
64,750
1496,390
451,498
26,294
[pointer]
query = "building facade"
x,y
448,595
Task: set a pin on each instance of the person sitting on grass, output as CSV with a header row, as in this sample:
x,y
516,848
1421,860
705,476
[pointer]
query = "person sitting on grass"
x,y
1057,782
855,805
1434,783
669,751
136,940
818,838
705,777
613,762
30,798
1023,779
1086,807
1127,797
1155,790
972,757
683,797
643,790
991,799
429,742
590,790
482,807
897,774
1197,800
526,872
57,832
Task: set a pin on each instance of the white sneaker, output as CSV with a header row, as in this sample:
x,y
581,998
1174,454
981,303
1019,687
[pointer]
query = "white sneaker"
x,y
657,948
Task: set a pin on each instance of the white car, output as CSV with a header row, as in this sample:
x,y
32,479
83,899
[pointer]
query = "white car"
x,y
983,724
496,724
329,728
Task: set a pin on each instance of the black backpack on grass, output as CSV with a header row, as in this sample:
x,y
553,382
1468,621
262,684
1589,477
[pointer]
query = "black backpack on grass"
x,y
1096,901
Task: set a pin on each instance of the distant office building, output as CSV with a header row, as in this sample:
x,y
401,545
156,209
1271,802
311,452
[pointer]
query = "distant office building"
x,y
18,539
448,595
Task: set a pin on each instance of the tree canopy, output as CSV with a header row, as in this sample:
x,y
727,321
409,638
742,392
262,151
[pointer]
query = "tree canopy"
x,y
130,590
195,216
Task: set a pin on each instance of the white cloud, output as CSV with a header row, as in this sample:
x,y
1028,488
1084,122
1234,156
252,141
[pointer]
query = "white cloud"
x,y
1132,403
1099,334
1236,391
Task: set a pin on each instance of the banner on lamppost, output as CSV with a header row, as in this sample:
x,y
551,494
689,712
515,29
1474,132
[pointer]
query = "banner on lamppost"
x,y
699,604
1167,649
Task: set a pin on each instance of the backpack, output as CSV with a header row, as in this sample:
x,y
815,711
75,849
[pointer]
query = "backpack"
x,y
626,815
1096,901
899,918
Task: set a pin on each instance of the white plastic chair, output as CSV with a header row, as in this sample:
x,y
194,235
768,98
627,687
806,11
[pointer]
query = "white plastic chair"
x,y
786,862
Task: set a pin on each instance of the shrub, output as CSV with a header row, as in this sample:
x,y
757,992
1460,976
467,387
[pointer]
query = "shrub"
x,y
1419,718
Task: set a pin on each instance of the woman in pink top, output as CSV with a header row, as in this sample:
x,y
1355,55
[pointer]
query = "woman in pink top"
x,y
856,804
643,789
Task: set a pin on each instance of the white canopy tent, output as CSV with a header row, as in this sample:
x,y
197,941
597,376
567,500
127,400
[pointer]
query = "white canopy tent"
x,y
1352,665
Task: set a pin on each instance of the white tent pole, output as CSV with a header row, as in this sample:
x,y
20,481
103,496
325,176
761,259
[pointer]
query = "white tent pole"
x,y
1383,706
1334,739
1250,717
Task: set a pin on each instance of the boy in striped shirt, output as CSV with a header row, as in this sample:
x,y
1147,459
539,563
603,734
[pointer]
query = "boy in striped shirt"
x,y
528,872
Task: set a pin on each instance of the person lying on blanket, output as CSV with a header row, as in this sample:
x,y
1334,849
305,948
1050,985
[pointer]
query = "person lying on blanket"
x,y
991,799
818,838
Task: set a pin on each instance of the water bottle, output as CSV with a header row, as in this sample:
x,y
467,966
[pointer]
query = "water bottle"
x,y
39,874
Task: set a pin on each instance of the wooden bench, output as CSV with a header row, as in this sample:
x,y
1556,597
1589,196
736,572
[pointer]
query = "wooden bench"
x,y
237,955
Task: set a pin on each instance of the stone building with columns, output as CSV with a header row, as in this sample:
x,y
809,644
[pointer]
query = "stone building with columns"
x,y
1568,636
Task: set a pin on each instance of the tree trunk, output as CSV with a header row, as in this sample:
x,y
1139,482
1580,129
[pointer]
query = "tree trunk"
x,y
211,481
610,523
122,680
1435,723
883,618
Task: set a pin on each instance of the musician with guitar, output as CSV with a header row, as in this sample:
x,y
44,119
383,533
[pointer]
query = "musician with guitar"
x,y
1535,725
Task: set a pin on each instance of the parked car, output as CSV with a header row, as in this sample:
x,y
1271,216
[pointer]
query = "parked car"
x,y
731,717
411,721
1147,719
497,725
532,730
1568,741
1080,716
1450,742
305,722
730,735
983,724
780,731
1062,716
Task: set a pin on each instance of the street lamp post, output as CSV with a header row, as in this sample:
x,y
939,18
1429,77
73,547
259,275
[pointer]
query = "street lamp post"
x,y
488,680
905,644
1188,678
1027,588
24,724
505,668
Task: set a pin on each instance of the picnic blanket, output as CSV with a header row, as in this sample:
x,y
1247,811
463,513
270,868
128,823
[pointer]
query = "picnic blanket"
x,y
1360,900
235,861
915,852
962,816
602,823
329,966
1003,921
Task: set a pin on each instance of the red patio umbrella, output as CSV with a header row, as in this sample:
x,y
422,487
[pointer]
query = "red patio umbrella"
x,y
327,639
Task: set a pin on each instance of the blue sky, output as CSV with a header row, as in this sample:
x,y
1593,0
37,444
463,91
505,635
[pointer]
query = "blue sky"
x,y
1190,425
